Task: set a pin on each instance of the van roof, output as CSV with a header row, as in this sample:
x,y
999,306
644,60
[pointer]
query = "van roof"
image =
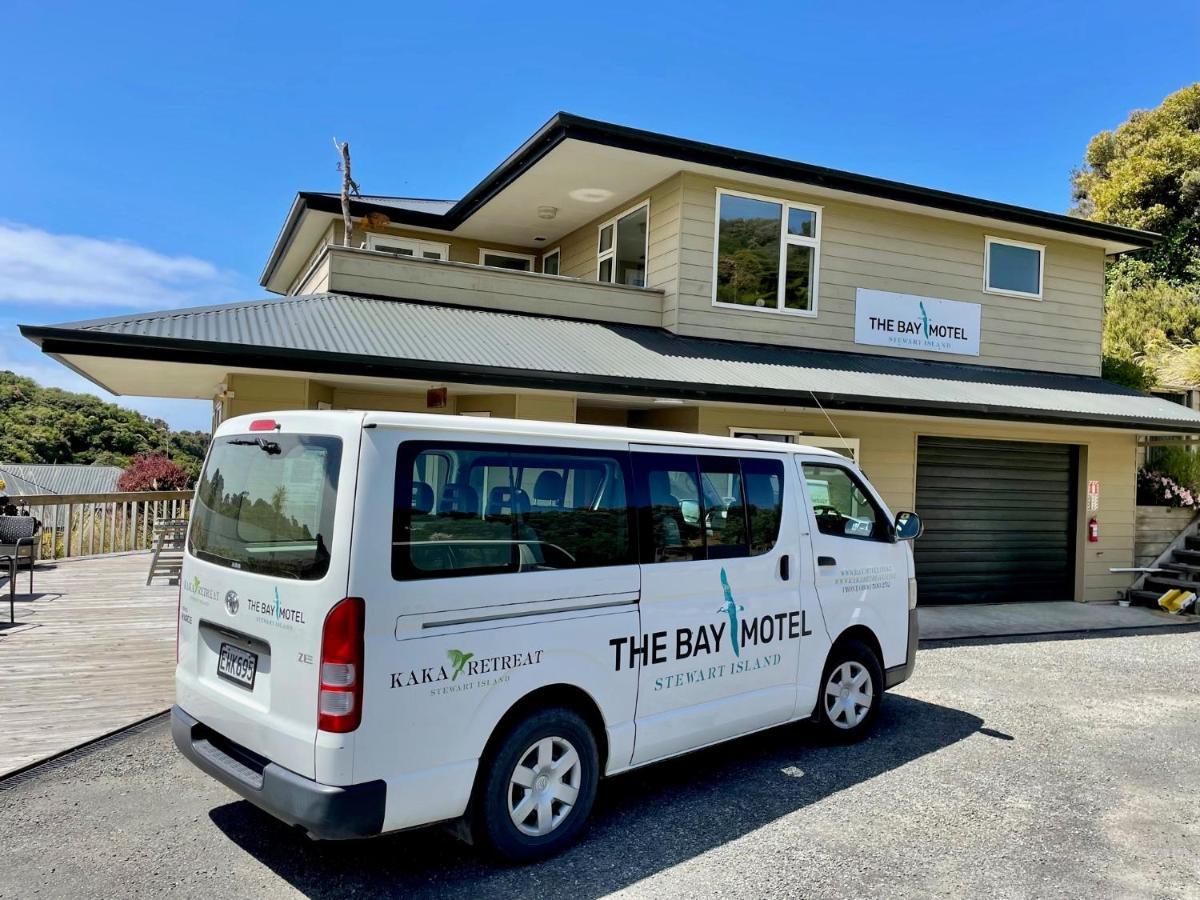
x,y
524,428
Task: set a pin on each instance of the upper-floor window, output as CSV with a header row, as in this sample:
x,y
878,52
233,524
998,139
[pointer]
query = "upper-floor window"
x,y
550,261
408,246
622,247
766,254
1013,267
503,259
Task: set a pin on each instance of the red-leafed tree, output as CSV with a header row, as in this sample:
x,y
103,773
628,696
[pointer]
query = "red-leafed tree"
x,y
152,472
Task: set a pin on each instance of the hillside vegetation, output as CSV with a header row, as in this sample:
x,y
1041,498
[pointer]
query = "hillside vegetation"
x,y
49,425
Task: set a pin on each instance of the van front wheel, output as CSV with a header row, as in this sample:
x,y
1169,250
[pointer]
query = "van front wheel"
x,y
537,792
851,693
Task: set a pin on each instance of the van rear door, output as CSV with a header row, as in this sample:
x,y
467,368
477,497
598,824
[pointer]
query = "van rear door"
x,y
267,558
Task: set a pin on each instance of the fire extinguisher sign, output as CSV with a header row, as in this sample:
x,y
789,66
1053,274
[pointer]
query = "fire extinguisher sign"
x,y
1093,496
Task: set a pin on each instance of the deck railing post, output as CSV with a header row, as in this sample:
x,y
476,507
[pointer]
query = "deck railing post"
x,y
102,523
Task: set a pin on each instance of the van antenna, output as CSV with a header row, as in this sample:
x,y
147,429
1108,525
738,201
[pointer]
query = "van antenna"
x,y
845,443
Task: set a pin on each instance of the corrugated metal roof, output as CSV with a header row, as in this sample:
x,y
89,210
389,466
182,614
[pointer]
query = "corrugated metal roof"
x,y
21,479
484,346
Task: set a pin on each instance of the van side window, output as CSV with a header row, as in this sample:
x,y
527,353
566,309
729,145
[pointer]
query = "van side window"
x,y
478,509
724,507
764,502
669,497
841,506
707,507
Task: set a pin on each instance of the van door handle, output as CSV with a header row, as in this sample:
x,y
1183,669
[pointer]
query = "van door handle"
x,y
826,561
785,567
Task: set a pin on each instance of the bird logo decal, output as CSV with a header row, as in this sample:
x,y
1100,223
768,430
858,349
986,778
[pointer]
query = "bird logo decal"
x,y
458,659
731,609
925,319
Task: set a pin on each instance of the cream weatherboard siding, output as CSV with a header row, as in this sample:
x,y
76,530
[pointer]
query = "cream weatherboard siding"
x,y
662,262
468,284
305,278
887,446
869,247
888,454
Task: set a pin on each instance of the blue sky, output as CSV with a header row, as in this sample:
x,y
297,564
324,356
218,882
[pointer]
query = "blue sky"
x,y
151,151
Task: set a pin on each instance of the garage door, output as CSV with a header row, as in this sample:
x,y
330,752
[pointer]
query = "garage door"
x,y
999,521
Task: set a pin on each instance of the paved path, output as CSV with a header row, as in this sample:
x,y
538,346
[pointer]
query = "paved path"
x,y
1047,768
95,653
973,620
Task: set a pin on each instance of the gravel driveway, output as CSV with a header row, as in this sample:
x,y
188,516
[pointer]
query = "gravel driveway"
x,y
1043,768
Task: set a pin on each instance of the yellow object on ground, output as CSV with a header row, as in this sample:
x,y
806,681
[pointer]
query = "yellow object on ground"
x,y
1176,600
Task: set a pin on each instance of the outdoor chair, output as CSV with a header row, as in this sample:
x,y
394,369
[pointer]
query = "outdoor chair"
x,y
18,540
167,559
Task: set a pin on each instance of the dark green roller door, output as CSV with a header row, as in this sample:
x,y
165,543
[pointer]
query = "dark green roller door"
x,y
999,521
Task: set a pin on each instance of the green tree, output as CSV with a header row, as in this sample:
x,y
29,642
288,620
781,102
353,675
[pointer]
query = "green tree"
x,y
48,425
1146,174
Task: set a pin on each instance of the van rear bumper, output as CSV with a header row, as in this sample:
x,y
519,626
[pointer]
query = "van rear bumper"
x,y
897,674
326,812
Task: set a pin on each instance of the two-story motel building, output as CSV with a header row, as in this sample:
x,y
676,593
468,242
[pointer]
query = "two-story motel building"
x,y
603,274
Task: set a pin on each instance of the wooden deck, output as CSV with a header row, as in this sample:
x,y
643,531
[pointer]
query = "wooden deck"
x,y
95,651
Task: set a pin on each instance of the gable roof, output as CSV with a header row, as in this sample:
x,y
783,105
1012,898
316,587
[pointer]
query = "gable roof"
x,y
383,337
447,215
23,479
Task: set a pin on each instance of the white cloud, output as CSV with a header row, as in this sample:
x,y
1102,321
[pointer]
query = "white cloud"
x,y
70,270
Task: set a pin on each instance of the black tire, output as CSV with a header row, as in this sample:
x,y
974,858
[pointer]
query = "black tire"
x,y
495,790
837,715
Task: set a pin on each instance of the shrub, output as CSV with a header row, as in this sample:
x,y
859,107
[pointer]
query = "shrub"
x,y
152,472
1156,489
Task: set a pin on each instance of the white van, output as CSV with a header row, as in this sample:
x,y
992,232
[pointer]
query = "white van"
x,y
388,620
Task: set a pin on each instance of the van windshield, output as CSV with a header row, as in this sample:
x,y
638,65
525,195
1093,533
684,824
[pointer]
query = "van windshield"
x,y
265,504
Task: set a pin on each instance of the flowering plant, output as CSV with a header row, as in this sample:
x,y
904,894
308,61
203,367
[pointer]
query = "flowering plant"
x,y
1157,489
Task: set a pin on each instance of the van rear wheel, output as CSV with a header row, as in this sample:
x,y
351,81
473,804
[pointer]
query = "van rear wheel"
x,y
851,693
537,791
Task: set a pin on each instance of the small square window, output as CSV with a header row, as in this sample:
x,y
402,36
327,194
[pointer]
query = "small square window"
x,y
1013,267
802,222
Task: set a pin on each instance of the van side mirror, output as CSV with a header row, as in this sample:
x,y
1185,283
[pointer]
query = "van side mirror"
x,y
908,526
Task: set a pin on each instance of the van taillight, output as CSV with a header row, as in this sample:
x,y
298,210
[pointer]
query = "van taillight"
x,y
339,701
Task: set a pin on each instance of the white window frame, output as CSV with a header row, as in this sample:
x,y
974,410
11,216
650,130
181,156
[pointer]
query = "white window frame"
x,y
785,239
822,442
418,246
988,240
611,252
509,254
556,251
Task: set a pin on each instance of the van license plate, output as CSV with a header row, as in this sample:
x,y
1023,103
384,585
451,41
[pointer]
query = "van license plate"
x,y
237,665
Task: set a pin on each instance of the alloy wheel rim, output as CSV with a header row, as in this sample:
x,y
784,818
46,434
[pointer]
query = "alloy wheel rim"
x,y
848,695
544,786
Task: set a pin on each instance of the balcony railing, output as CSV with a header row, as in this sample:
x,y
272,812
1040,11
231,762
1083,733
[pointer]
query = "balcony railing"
x,y
93,524
380,274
